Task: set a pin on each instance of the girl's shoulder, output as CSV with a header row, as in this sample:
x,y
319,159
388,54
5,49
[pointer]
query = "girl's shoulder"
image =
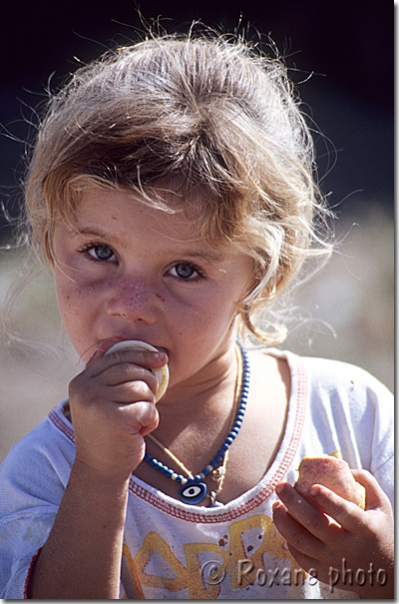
x,y
323,375
332,397
40,460
340,406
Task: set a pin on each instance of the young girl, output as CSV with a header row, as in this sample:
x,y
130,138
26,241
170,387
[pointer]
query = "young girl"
x,y
171,190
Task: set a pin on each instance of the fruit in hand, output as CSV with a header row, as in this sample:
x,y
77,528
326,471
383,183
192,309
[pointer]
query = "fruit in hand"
x,y
332,473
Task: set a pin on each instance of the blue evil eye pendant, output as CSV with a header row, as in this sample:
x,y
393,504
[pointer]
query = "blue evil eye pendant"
x,y
193,492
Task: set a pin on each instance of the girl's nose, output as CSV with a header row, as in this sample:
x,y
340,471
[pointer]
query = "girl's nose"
x,y
134,300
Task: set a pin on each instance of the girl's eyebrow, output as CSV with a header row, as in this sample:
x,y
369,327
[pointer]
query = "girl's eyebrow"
x,y
91,232
210,255
96,233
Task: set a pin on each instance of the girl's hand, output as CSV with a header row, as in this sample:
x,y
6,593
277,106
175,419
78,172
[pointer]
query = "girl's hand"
x,y
348,553
112,406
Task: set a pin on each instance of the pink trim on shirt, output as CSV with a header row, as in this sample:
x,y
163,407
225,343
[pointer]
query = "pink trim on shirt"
x,y
257,499
60,424
28,580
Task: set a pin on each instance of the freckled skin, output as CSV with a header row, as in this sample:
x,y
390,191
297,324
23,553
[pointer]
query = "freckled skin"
x,y
137,295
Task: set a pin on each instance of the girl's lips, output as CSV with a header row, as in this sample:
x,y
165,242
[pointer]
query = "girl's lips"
x,y
105,345
97,350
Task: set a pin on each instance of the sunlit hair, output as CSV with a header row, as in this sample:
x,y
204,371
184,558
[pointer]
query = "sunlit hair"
x,y
209,118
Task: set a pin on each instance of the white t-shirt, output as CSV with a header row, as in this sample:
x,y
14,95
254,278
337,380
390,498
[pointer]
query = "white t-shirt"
x,y
174,550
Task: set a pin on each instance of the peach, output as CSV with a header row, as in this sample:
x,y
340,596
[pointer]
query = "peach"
x,y
332,473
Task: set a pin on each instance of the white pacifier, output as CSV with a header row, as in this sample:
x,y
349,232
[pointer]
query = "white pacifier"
x,y
162,374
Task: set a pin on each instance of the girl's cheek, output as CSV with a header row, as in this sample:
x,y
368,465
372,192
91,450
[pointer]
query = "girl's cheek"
x,y
76,301
72,309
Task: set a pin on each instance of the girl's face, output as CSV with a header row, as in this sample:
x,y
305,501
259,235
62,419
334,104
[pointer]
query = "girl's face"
x,y
127,271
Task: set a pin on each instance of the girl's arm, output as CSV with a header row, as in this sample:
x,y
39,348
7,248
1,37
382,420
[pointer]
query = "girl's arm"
x,y
354,553
112,406
82,556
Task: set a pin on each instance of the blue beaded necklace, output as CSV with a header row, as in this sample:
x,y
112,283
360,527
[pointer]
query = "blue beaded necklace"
x,y
193,490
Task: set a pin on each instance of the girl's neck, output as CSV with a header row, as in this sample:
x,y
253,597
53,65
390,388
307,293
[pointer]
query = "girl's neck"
x,y
206,396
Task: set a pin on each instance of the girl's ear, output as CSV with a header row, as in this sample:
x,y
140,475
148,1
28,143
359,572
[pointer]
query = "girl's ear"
x,y
48,247
253,281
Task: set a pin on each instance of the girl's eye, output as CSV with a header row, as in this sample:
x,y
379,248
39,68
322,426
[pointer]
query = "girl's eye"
x,y
185,271
100,252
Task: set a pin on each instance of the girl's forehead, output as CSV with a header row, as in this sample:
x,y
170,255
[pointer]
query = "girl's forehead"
x,y
112,211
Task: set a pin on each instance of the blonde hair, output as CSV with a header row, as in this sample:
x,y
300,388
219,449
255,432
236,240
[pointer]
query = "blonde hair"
x,y
209,117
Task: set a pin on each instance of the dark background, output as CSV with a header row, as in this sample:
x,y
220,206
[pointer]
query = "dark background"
x,y
347,45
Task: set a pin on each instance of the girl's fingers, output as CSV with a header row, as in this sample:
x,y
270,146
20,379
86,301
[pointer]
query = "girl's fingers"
x,y
305,514
304,561
126,372
375,496
296,534
141,417
125,366
129,393
142,358
349,515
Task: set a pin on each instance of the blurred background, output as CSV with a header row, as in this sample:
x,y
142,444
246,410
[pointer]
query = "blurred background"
x,y
341,56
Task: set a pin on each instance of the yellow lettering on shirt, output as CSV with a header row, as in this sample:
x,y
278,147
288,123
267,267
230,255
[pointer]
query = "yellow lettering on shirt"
x,y
208,565
199,566
269,541
154,544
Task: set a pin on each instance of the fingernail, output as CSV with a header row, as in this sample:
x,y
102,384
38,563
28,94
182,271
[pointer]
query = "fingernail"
x,y
313,492
279,488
